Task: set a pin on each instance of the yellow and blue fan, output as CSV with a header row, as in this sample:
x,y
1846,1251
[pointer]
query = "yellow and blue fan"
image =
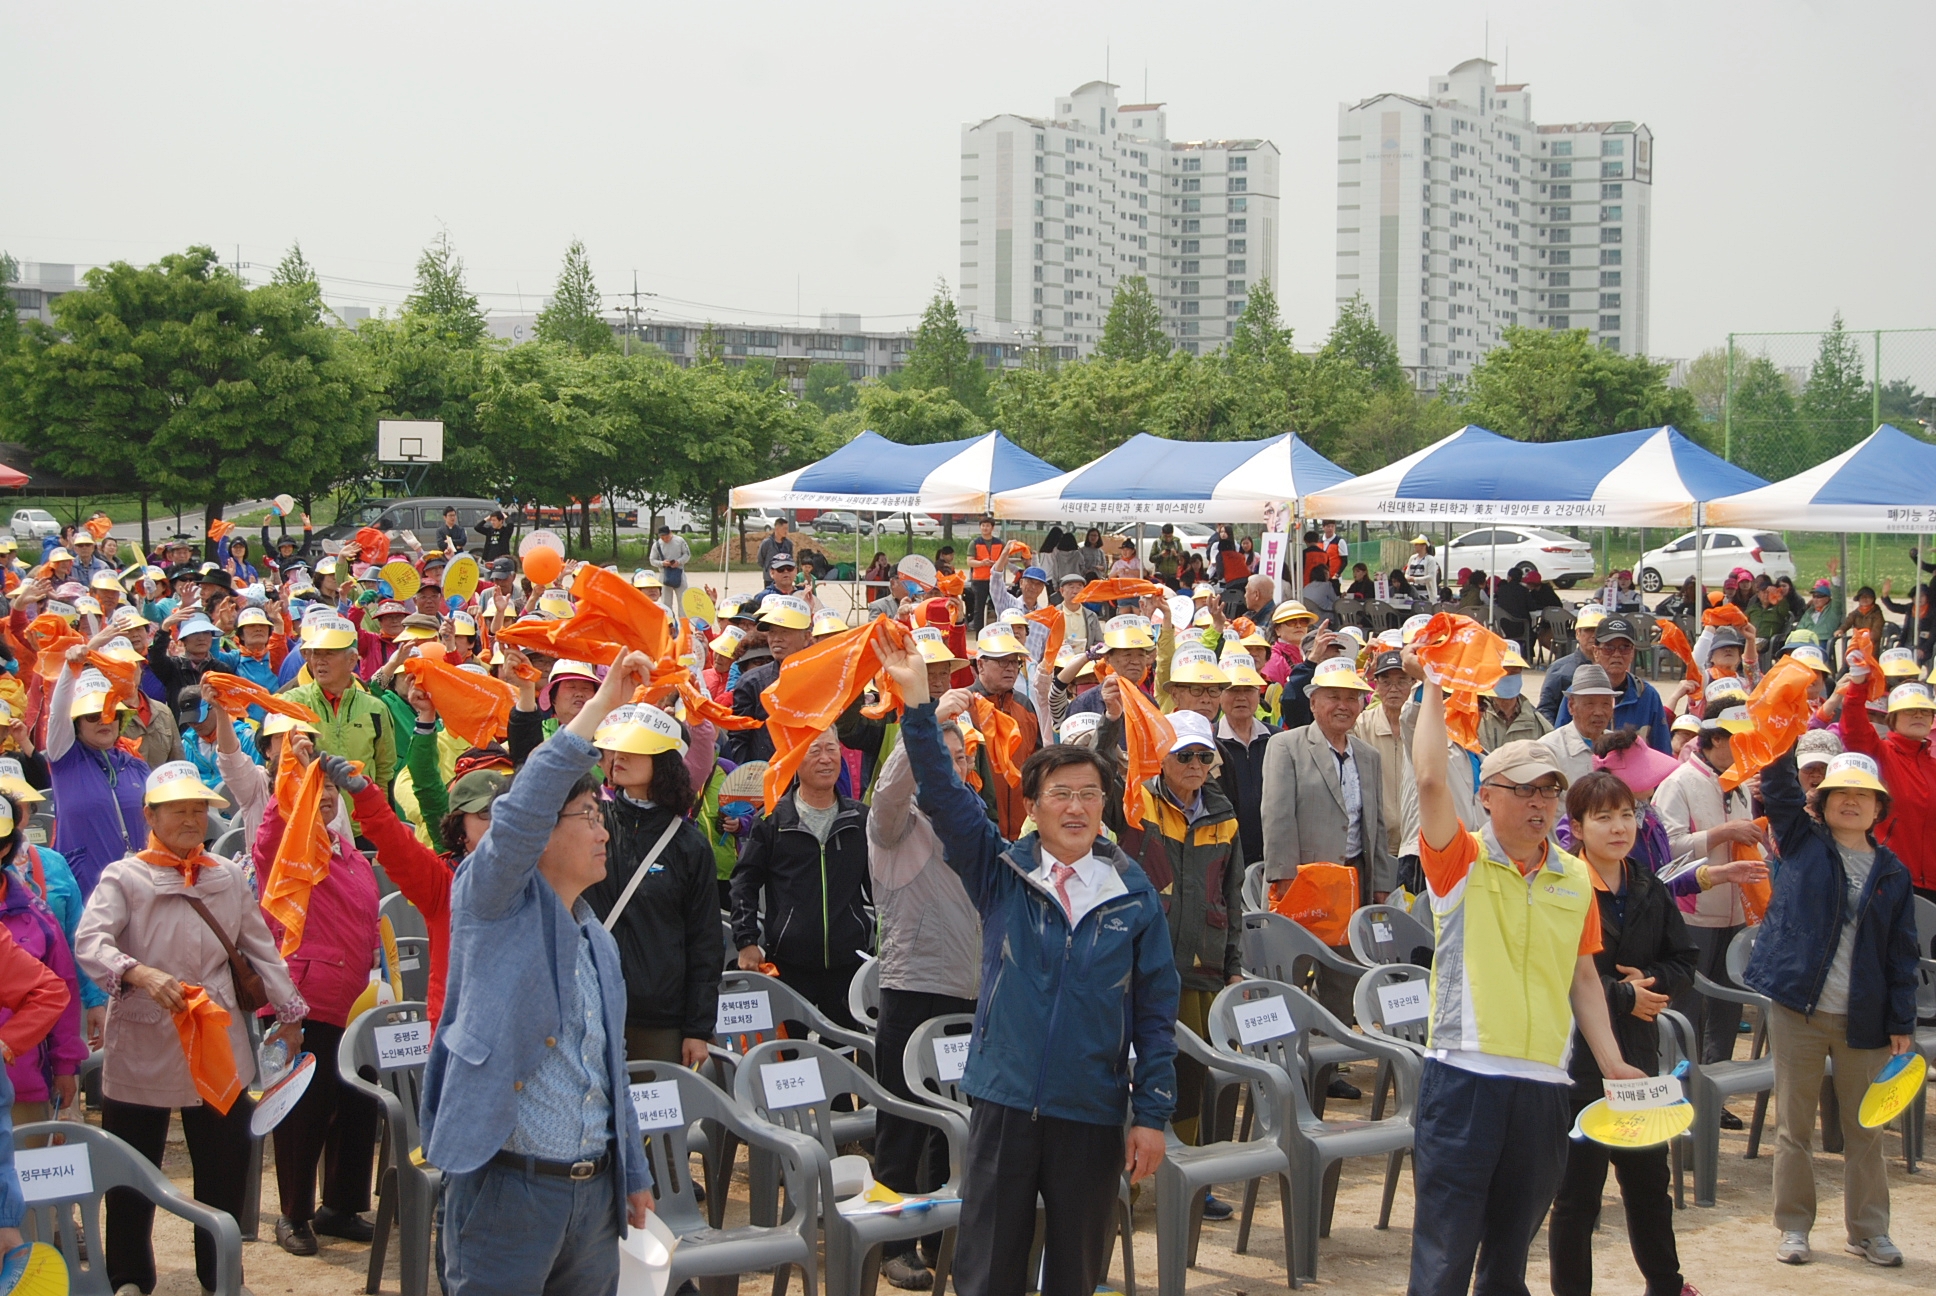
x,y
1893,1090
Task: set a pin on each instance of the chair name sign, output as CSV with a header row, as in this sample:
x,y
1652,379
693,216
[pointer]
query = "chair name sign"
x,y
793,1084
951,1057
1637,1095
1264,1019
402,1046
1404,1001
55,1173
749,1012
1381,931
658,1105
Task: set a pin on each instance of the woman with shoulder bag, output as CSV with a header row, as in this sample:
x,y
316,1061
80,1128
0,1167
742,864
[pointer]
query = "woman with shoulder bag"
x,y
161,922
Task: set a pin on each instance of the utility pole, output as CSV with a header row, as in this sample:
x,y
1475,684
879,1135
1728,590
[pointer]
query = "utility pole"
x,y
633,311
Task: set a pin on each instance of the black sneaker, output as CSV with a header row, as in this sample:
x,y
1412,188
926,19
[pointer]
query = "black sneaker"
x,y
1214,1210
344,1224
1342,1088
1729,1121
906,1272
296,1237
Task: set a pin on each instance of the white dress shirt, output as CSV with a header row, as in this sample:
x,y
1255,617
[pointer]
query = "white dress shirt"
x,y
1093,883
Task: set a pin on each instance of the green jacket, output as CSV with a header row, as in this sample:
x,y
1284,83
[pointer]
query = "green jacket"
x,y
1769,622
359,728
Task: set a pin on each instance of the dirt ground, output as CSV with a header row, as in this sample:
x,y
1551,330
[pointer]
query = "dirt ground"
x,y
1727,1250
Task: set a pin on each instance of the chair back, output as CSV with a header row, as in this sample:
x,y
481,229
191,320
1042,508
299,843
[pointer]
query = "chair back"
x,y
1925,927
1279,950
669,1099
753,1009
1256,891
864,995
726,943
1375,1008
1676,1041
64,1187
817,1074
413,965
1382,934
231,844
935,1059
1279,1019
1740,950
40,828
403,916
382,1055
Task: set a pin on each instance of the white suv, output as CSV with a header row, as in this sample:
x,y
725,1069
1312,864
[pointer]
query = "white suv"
x,y
1759,553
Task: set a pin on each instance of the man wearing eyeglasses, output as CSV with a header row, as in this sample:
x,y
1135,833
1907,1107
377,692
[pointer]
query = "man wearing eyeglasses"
x,y
1077,968
1517,928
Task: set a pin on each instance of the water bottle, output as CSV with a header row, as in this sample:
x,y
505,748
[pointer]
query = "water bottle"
x,y
274,1061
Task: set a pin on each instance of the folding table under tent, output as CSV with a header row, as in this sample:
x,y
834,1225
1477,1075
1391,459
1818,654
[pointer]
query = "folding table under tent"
x,y
1886,482
1155,480
1654,477
871,473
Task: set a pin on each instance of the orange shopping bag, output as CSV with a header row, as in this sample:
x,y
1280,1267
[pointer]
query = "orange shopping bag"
x,y
1754,895
1320,899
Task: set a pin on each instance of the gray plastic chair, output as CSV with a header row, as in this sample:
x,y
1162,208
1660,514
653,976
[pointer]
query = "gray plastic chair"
x,y
63,1221
407,1186
218,828
1382,934
1256,891
403,916
1186,1172
1710,1085
706,1250
1277,949
1677,1045
1316,1148
922,1071
413,966
1411,1035
231,843
853,1243
864,995
40,829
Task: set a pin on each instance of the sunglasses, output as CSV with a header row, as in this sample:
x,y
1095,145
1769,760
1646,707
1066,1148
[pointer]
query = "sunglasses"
x,y
1202,755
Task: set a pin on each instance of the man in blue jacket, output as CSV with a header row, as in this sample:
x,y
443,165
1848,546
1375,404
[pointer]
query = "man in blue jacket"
x,y
526,1105
1076,969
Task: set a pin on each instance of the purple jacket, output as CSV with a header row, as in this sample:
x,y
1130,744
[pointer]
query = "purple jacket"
x,y
35,929
99,794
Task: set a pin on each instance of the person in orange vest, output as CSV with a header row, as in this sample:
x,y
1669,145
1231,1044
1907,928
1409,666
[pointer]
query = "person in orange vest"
x,y
981,564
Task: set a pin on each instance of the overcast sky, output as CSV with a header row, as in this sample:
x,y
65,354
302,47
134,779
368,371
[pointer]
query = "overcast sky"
x,y
751,159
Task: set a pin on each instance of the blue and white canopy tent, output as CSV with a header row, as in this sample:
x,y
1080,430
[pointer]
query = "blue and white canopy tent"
x,y
877,475
1651,478
1151,479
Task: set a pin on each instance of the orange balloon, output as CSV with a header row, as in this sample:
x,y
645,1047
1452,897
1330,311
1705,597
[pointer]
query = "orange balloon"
x,y
543,565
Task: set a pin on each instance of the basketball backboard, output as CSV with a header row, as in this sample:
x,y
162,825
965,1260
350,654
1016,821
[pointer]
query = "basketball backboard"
x,y
409,441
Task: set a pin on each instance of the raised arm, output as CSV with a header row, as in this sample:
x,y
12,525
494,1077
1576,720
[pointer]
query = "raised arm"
x,y
1438,817
970,843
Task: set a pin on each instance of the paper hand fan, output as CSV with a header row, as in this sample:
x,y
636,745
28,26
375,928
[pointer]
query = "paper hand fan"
x,y
1894,1089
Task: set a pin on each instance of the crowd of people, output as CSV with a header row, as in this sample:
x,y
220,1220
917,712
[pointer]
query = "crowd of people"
x,y
1037,791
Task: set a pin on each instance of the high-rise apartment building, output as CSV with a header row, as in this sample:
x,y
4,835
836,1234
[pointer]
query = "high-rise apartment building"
x,y
1055,212
1459,216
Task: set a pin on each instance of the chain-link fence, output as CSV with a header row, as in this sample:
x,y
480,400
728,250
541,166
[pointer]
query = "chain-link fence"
x,y
1789,401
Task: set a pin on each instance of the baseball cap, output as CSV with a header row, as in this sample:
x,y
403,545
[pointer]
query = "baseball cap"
x,y
1817,747
1617,627
1822,589
105,580
1811,656
1420,539
1726,637
1687,723
1195,664
728,642
1521,761
1591,681
254,616
1291,610
119,649
1724,691
1336,672
565,668
390,607
1590,618
998,640
646,578
1412,626
1192,730
503,566
1853,770
1035,573
1082,722
641,729
1128,631
1511,656
786,611
277,723
1898,661
1386,662
91,693
59,554
1073,578
176,781
779,560
463,623
474,793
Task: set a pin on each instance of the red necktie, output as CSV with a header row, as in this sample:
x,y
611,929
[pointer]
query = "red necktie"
x,y
1059,875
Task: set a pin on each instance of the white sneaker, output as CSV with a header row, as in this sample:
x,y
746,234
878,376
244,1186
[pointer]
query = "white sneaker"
x,y
1878,1250
1793,1249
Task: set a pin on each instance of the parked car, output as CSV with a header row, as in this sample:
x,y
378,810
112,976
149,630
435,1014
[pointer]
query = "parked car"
x,y
1195,537
420,516
840,522
1759,552
30,526
1556,556
897,524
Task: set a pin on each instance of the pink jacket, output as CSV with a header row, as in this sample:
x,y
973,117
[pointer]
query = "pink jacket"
x,y
35,930
332,965
1283,656
136,915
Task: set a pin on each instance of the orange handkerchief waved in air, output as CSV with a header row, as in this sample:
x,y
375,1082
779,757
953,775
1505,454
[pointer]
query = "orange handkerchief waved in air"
x,y
1148,734
477,708
1863,692
815,685
1466,658
1754,895
236,695
1116,588
1674,640
302,857
1727,614
700,707
51,638
124,675
1003,737
204,1029
1779,707
1051,619
610,617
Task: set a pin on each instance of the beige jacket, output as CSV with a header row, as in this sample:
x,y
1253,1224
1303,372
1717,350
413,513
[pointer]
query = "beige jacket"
x,y
136,916
1375,727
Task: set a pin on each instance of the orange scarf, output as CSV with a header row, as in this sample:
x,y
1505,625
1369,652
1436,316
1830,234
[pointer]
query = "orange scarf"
x,y
610,617
190,866
1779,707
477,708
1467,659
815,685
51,638
204,1029
1148,734
126,678
1727,614
303,854
236,695
1051,618
1117,588
1003,735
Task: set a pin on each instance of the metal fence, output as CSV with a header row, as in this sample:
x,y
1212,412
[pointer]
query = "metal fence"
x,y
1789,401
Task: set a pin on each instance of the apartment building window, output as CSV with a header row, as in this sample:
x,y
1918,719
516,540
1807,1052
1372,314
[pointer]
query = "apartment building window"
x,y
1609,213
1238,184
1038,271
1563,148
1610,343
1188,267
1560,279
1038,317
1193,227
1562,213
1192,245
1187,287
1559,236
1613,168
1233,287
1239,245
1041,141
1563,169
1611,256
1192,328
1610,192
1068,296
1609,278
1558,322
1562,191
1068,276
1192,185
1562,258
1613,148
1611,234
1192,204
1192,164
1038,189
1239,227
1189,308
1609,301
1609,322
1233,308
1038,232
1235,267
1038,298
1041,163
1239,163
1239,204
1559,299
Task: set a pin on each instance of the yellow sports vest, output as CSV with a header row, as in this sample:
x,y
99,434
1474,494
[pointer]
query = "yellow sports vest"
x,y
1507,946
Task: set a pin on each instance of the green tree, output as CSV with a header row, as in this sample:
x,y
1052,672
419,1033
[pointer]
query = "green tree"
x,y
1902,403
1554,385
920,416
1707,382
1258,334
442,297
1761,421
1357,342
708,349
941,356
1133,329
830,389
294,268
1835,407
572,317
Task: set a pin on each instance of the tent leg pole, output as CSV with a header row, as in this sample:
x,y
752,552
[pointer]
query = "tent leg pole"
x,y
1492,574
1916,594
1842,540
